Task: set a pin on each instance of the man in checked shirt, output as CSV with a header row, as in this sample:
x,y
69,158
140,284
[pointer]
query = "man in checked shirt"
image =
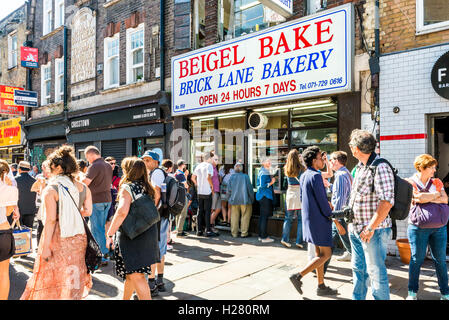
x,y
371,228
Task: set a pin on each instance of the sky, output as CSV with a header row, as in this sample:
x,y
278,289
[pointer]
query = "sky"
x,y
8,6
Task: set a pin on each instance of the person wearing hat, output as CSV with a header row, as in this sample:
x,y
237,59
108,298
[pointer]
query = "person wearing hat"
x,y
157,177
27,198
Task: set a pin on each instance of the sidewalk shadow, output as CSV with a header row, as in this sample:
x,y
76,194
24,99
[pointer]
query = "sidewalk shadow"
x,y
179,295
18,283
199,253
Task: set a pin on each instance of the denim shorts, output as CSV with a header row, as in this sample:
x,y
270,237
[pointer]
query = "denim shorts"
x,y
163,237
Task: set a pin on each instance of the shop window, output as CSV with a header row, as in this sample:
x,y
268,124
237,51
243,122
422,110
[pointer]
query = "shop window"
x,y
12,51
47,19
199,23
240,17
431,15
45,84
182,24
313,6
135,54
59,13
111,61
59,83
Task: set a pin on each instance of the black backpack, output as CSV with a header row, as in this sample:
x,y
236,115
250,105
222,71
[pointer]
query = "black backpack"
x,y
403,193
174,198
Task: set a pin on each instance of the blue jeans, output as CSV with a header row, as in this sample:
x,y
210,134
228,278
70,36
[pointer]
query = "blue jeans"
x,y
368,263
344,239
419,239
289,216
98,222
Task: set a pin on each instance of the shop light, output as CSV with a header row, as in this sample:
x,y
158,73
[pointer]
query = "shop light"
x,y
315,106
211,117
315,103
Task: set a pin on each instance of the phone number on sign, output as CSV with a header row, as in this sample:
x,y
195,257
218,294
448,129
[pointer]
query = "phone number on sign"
x,y
320,83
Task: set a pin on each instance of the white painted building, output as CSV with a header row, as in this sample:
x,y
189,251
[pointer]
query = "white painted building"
x,y
405,82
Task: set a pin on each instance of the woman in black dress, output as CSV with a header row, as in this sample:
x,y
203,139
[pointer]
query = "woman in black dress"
x,y
133,258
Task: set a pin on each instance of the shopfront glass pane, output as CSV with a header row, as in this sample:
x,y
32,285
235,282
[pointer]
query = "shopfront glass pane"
x,y
203,139
231,147
435,11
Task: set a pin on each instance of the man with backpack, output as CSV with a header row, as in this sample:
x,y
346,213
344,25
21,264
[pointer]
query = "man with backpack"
x,y
372,197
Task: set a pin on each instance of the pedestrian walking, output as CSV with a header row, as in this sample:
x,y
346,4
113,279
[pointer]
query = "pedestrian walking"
x,y
317,227
60,271
202,178
225,208
371,228
133,258
181,175
114,192
265,196
293,169
82,170
9,196
99,180
14,169
428,195
240,196
38,187
216,198
341,190
27,198
168,167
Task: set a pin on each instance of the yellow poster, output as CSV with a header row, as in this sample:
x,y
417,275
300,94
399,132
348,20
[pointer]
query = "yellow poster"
x,y
10,132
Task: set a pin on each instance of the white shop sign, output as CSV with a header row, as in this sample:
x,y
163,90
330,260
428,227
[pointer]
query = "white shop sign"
x,y
283,7
308,57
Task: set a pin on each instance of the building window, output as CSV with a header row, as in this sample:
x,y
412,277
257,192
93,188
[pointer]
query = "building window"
x,y
45,84
135,54
48,11
12,51
59,13
431,15
240,17
111,61
59,83
313,6
199,16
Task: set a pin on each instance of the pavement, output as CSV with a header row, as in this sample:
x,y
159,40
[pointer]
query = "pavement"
x,y
227,268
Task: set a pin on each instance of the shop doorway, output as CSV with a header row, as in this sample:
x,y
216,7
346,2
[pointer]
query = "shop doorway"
x,y
439,144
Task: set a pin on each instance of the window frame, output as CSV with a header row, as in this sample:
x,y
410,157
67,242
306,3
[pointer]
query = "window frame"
x,y
45,98
129,54
12,54
59,92
107,60
47,19
420,27
58,16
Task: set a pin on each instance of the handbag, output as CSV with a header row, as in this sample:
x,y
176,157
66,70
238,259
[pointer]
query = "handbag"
x,y
142,215
22,239
293,197
429,215
93,252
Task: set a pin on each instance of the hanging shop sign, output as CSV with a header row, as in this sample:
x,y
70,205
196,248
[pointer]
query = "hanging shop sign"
x,y
25,98
10,132
308,57
7,105
29,57
440,76
282,7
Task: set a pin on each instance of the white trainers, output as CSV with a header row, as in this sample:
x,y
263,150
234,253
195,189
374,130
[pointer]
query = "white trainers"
x,y
267,240
286,244
345,257
411,296
444,297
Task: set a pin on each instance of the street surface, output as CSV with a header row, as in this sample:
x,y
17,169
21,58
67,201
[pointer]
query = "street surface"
x,y
225,268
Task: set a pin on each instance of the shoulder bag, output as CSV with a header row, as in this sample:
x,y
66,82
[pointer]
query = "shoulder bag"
x,y
142,215
93,252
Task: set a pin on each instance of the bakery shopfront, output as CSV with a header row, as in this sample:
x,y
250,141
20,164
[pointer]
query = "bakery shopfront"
x,y
262,94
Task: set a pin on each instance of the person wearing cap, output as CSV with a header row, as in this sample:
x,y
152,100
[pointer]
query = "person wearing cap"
x,y
27,198
157,177
181,175
240,196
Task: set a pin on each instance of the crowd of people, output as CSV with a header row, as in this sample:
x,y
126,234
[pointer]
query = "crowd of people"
x,y
68,191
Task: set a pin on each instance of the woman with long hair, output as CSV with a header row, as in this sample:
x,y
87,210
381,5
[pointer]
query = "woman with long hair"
x,y
9,196
133,258
60,271
293,169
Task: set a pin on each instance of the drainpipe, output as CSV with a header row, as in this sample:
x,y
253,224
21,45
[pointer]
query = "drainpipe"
x,y
65,109
162,46
377,55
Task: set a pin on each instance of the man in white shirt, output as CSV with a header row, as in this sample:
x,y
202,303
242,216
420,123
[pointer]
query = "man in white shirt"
x,y
202,178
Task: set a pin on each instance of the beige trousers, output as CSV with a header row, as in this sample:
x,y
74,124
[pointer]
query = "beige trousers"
x,y
243,211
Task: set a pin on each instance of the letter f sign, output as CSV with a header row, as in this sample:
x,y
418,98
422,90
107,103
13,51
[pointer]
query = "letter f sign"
x,y
441,73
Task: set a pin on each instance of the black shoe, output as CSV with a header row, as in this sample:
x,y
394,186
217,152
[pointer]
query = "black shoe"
x,y
161,287
135,297
326,291
182,234
297,283
153,288
212,234
200,233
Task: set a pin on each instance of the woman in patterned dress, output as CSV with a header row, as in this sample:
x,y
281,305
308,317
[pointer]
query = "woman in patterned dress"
x,y
133,258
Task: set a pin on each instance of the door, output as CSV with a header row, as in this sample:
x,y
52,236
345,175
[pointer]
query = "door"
x,y
439,143
114,148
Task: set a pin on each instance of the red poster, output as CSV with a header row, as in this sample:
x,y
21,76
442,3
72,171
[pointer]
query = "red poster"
x,y
29,57
7,105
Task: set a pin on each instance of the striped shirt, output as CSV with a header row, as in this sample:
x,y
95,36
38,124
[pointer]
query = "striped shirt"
x,y
363,200
341,188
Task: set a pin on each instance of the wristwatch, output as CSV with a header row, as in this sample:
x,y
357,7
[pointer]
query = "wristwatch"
x,y
369,229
